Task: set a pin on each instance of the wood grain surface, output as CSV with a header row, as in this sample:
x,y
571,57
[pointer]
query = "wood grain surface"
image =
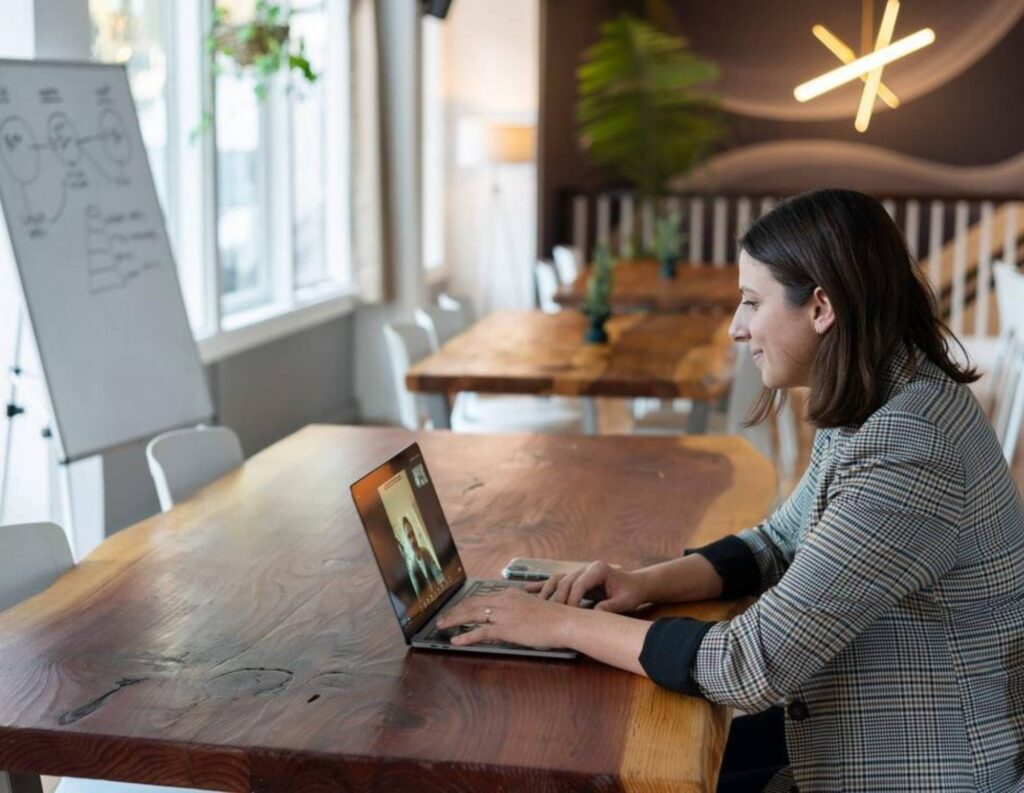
x,y
244,640
639,286
530,352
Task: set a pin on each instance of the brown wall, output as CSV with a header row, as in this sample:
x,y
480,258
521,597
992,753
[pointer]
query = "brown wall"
x,y
974,119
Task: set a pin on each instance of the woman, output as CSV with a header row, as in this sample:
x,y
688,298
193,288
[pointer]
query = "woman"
x,y
890,617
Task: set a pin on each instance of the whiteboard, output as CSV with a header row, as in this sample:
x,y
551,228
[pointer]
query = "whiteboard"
x,y
97,273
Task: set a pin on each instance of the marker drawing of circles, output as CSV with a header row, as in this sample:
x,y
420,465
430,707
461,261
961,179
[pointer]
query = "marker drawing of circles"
x,y
116,142
64,138
18,149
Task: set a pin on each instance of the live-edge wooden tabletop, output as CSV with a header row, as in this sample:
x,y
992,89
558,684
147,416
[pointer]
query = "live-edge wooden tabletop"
x,y
244,641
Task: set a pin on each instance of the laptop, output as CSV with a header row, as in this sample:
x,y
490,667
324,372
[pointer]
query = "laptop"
x,y
417,557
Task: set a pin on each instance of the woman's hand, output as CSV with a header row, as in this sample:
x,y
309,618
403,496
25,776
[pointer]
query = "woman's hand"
x,y
623,590
513,616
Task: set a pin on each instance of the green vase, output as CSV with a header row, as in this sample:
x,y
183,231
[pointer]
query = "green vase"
x,y
596,333
668,266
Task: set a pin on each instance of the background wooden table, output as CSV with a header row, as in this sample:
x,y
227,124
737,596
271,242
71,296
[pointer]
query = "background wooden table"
x,y
640,287
244,640
530,352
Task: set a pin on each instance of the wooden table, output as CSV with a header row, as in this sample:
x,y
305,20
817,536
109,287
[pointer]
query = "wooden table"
x,y
244,640
640,287
531,352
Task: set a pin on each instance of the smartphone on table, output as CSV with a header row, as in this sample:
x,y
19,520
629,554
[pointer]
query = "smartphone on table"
x,y
526,569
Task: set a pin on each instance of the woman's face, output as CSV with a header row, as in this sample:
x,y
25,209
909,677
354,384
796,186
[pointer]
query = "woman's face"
x,y
783,338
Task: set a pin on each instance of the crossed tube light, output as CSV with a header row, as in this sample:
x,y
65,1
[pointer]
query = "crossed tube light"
x,y
862,66
839,48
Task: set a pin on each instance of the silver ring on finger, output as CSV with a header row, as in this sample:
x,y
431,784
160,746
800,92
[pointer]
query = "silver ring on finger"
x,y
488,611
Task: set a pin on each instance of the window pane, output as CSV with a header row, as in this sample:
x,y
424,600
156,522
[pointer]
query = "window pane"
x,y
308,155
133,34
241,223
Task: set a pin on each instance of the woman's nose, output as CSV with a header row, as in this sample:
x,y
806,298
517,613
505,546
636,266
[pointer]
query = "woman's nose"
x,y
737,328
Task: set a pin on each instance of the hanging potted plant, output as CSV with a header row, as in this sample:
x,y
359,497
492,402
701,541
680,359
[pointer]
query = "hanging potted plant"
x,y
644,112
261,47
597,305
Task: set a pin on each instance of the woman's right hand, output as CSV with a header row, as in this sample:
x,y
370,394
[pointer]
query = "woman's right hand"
x,y
623,590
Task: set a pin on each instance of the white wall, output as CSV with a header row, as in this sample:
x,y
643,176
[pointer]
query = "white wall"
x,y
491,57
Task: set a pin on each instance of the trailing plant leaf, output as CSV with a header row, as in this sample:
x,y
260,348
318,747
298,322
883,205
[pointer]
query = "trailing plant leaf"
x,y
261,46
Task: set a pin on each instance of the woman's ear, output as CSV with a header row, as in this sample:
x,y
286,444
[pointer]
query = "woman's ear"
x,y
823,316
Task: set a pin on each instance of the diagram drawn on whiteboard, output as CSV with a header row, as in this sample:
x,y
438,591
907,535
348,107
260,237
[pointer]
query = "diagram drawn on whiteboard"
x,y
110,242
45,181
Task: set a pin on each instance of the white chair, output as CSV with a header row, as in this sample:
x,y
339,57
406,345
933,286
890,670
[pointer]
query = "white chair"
x,y
408,344
182,462
441,324
458,303
568,261
989,353
746,386
547,286
32,557
1007,378
1009,417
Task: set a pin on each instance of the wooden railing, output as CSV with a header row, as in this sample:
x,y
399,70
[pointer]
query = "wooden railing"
x,y
955,239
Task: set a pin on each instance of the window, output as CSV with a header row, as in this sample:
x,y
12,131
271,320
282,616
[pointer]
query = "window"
x,y
135,36
248,199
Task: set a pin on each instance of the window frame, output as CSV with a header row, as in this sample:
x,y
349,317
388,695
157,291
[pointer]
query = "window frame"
x,y
224,325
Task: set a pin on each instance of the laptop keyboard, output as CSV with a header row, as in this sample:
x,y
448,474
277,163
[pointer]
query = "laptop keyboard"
x,y
477,589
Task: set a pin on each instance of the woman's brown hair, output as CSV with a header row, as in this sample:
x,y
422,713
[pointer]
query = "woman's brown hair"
x,y
846,243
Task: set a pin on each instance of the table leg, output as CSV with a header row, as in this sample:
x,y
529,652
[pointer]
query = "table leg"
x,y
20,783
438,410
589,415
697,422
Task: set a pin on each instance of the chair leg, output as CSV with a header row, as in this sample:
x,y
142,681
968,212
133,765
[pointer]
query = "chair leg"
x,y
697,421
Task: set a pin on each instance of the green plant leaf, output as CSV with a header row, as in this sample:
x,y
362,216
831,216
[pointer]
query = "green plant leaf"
x,y
640,112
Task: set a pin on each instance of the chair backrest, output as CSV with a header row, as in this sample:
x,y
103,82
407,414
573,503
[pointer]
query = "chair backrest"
x,y
441,324
547,285
182,462
407,344
568,261
458,303
32,556
1009,398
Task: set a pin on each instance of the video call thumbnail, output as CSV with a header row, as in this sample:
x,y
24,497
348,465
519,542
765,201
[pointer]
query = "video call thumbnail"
x,y
418,567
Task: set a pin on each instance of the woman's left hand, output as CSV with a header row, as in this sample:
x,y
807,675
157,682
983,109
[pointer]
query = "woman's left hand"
x,y
511,616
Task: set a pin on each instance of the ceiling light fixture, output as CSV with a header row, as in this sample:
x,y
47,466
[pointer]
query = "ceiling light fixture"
x,y
869,66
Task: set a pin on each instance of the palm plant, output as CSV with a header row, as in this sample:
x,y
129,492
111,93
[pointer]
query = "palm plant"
x,y
640,111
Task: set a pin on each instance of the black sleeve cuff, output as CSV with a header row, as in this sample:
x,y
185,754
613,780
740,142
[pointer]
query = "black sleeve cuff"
x,y
670,650
734,561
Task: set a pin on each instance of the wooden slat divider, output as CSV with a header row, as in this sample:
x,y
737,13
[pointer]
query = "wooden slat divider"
x,y
696,231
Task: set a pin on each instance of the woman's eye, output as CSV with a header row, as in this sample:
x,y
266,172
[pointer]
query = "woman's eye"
x,y
750,303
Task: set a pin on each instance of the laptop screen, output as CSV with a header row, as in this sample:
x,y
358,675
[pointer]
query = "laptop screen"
x,y
409,536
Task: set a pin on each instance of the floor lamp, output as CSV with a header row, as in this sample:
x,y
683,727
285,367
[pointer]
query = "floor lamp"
x,y
501,145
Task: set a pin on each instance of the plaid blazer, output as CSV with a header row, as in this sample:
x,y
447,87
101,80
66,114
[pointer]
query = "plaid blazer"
x,y
890,620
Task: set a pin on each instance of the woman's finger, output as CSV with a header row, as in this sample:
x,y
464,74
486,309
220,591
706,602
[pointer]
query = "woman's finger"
x,y
564,587
481,634
548,586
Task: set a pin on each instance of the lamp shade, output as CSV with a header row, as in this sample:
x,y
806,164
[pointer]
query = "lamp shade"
x,y
508,143
480,141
